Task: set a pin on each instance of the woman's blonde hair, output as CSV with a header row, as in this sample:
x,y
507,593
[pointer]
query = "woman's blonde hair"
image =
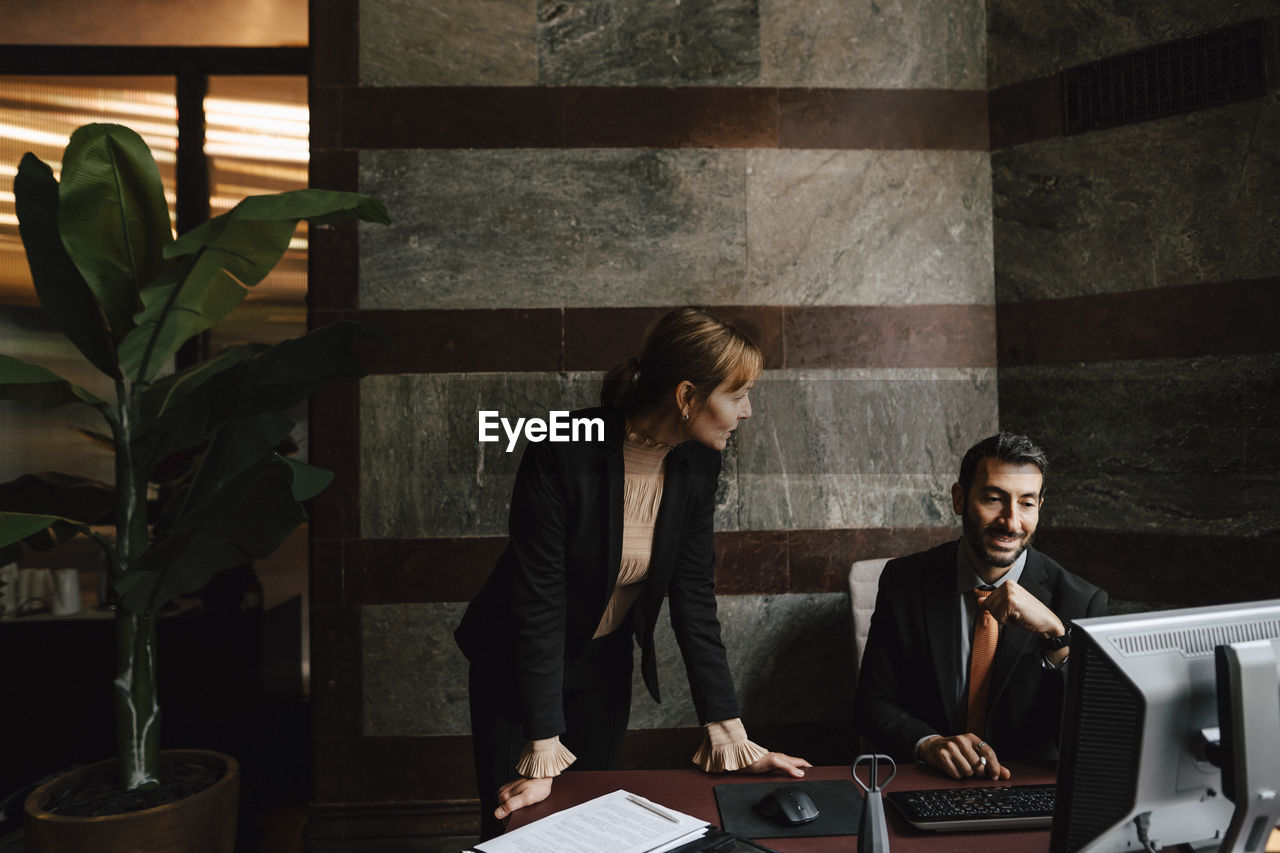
x,y
687,344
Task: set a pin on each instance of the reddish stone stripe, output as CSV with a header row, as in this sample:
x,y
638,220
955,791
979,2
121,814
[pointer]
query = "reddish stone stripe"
x,y
1136,566
462,117
1165,568
1225,318
471,341
891,336
337,668
753,562
334,27
684,117
662,117
1026,112
599,338
391,571
326,570
333,257
820,559
883,119
517,340
396,571
334,433
325,132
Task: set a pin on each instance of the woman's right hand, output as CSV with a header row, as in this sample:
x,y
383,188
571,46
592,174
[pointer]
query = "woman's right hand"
x,y
520,793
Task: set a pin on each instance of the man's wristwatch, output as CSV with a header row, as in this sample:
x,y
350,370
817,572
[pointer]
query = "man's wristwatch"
x,y
1052,644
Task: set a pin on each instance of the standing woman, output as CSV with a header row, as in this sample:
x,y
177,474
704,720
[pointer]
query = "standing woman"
x,y
599,533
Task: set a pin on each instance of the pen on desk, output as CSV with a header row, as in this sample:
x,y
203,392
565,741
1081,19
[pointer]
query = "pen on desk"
x,y
645,804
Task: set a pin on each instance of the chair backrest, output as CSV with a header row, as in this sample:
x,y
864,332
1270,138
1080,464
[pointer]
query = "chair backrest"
x,y
864,581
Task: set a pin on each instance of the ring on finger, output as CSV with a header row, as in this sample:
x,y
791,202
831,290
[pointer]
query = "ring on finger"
x,y
980,745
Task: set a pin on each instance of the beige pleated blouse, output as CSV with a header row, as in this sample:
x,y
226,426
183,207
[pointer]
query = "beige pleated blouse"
x,y
725,745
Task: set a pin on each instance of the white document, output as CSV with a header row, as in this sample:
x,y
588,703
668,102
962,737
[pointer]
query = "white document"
x,y
618,823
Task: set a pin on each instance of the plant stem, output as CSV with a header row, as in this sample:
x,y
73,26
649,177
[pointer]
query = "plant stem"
x,y
137,715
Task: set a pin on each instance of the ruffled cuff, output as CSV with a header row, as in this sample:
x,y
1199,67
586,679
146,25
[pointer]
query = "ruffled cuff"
x,y
542,758
725,747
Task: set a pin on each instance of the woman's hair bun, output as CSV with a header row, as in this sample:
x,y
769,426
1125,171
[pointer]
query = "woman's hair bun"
x,y
620,384
687,344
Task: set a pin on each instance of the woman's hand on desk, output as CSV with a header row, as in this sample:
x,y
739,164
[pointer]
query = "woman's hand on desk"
x,y
777,761
963,757
520,793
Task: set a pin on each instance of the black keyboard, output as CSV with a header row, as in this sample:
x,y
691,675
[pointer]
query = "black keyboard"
x,y
977,807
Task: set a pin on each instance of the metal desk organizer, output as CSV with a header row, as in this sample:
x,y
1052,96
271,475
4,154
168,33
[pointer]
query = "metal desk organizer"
x,y
873,834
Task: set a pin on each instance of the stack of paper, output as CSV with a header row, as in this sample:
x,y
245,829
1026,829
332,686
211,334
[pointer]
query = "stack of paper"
x,y
619,822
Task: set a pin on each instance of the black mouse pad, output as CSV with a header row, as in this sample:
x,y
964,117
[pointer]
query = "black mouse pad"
x,y
839,809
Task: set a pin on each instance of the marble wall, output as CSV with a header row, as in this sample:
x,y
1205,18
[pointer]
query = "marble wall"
x,y
824,449
416,679
735,221
1186,446
626,227
559,173
1132,268
894,44
1179,200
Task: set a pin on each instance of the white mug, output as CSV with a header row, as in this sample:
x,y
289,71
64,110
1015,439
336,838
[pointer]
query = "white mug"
x,y
35,590
66,592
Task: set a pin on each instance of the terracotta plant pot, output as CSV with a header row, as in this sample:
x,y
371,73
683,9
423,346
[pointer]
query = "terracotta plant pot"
x,y
204,822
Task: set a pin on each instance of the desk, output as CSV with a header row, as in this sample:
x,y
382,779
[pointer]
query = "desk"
x,y
690,791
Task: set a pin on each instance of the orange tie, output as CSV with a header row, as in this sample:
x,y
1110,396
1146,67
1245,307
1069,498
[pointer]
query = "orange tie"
x,y
986,631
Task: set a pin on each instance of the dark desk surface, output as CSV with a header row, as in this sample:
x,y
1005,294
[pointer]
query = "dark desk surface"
x,y
690,791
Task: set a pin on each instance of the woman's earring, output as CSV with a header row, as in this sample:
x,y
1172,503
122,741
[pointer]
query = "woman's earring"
x,y
685,417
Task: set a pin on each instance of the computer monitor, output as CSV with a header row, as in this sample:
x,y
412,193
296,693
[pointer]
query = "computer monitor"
x,y
1139,728
1249,720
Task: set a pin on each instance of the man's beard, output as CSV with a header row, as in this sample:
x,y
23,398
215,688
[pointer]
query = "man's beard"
x,y
973,534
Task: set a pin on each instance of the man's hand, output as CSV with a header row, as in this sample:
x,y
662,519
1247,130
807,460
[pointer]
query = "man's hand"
x,y
1011,604
777,761
963,757
520,793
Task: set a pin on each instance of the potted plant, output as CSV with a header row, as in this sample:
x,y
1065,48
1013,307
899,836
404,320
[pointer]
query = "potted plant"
x,y
127,295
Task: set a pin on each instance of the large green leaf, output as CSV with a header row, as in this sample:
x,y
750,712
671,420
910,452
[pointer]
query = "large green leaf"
x,y
232,253
236,446
16,526
293,370
113,217
308,480
320,207
61,288
38,386
62,495
183,410
176,392
217,281
246,519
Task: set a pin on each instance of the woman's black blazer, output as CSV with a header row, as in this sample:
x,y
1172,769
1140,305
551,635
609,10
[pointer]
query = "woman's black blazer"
x,y
539,607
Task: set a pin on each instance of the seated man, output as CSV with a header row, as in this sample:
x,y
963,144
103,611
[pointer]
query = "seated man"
x,y
965,657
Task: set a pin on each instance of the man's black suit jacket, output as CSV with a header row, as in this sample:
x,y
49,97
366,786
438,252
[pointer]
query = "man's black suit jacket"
x,y
543,601
907,687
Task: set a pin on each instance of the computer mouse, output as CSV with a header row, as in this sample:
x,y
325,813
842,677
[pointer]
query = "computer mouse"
x,y
789,806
